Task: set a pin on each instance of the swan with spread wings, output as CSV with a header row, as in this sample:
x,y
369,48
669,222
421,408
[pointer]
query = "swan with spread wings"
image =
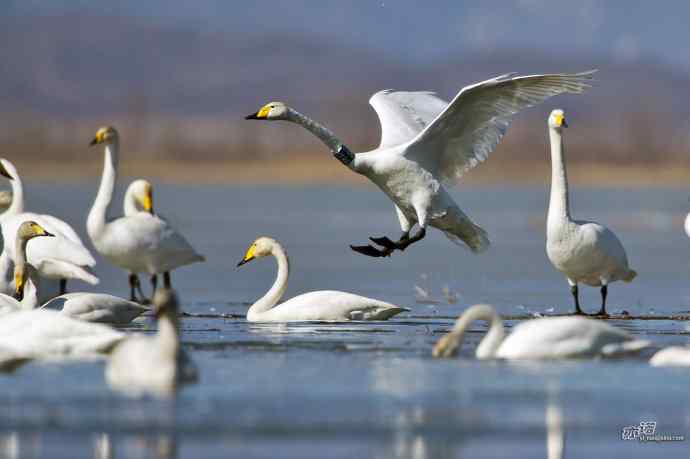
x,y
427,143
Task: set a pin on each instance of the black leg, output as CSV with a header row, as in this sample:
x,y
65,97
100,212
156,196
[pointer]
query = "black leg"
x,y
389,246
604,293
132,287
166,280
154,283
576,296
63,286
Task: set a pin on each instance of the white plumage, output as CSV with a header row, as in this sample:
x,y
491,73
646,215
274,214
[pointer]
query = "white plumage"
x,y
324,305
426,142
585,252
672,356
544,338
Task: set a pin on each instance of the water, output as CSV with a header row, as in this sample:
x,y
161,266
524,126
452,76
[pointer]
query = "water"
x,y
372,389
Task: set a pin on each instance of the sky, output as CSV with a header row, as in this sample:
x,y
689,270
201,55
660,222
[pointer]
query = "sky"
x,y
623,31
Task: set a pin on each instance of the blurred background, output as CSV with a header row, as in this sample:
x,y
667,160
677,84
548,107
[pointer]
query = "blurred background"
x,y
177,77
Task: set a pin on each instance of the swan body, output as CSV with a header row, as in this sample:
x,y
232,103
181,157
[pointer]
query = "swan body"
x,y
673,356
153,364
543,338
324,305
427,143
96,307
686,225
585,252
140,243
61,257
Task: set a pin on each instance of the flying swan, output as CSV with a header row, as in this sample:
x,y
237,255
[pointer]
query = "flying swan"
x,y
153,364
136,243
60,258
427,142
321,305
544,338
583,251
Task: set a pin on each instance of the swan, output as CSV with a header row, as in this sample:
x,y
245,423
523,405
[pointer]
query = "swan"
x,y
585,252
427,143
320,305
90,307
677,356
157,363
544,338
5,200
60,258
136,243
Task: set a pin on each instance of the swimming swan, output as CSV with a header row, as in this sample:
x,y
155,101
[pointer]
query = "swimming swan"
x,y
60,258
427,142
584,251
672,356
155,364
320,305
544,338
137,243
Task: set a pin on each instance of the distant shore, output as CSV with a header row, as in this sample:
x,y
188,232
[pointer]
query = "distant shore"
x,y
324,170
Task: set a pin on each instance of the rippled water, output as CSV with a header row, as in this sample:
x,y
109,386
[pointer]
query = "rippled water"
x,y
371,389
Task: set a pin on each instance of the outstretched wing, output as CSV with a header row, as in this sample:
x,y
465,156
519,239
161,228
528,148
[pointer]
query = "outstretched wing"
x,y
471,126
404,114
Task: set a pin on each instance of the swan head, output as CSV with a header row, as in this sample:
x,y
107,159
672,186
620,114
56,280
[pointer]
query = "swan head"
x,y
106,134
557,119
165,303
141,193
271,111
262,247
447,346
7,169
31,229
26,231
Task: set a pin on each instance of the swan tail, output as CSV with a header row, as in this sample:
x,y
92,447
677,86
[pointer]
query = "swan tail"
x,y
626,347
474,237
379,312
630,275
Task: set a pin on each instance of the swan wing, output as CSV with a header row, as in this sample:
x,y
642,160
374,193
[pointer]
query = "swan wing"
x,y
54,268
96,307
472,125
43,333
404,114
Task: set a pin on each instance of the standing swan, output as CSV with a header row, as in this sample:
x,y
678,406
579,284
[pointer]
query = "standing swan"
x,y
60,258
155,364
545,338
584,251
137,243
320,305
426,142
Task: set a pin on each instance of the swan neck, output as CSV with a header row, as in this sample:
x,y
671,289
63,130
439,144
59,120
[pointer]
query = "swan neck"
x,y
17,205
489,345
31,288
168,334
99,211
278,288
337,147
559,206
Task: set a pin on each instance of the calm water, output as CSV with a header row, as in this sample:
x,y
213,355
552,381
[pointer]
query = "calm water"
x,y
371,389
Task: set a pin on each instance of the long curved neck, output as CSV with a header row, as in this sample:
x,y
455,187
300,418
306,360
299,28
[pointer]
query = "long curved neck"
x,y
17,205
168,334
29,290
494,337
338,148
130,204
276,291
98,215
559,207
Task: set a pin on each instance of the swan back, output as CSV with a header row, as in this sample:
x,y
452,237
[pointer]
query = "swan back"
x,y
671,356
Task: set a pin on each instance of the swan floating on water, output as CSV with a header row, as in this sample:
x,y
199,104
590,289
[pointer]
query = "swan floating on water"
x,y
673,356
153,364
584,251
543,338
137,243
427,142
60,258
320,305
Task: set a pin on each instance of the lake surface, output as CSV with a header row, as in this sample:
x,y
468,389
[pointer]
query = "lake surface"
x,y
372,389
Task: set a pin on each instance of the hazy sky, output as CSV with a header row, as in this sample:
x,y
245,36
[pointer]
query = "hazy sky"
x,y
620,30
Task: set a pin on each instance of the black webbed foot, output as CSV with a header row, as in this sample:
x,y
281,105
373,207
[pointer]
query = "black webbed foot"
x,y
385,242
371,251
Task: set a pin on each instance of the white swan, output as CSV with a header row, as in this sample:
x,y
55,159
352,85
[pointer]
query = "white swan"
x,y
426,142
90,307
60,258
155,364
319,305
5,200
675,356
544,338
137,243
585,252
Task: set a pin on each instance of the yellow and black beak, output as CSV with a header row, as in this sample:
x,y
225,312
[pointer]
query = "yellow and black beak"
x,y
249,256
4,172
148,201
98,139
262,114
40,231
93,142
253,116
18,286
